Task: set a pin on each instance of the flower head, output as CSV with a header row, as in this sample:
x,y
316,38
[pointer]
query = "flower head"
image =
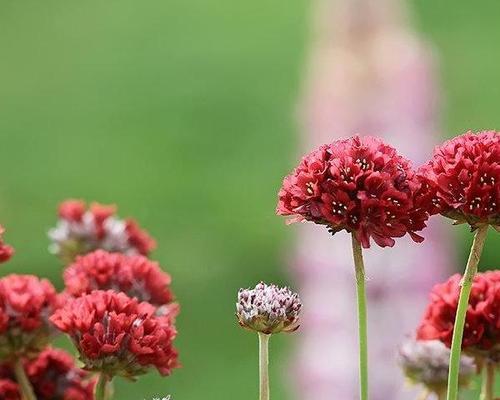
x,y
118,335
26,303
80,230
358,184
135,275
9,390
6,251
482,323
427,362
268,309
462,180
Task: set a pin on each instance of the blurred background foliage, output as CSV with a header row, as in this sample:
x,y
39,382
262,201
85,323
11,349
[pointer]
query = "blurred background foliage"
x,y
182,113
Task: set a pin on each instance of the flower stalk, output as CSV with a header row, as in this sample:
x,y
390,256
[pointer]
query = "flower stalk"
x,y
488,382
458,330
362,320
23,381
264,366
101,388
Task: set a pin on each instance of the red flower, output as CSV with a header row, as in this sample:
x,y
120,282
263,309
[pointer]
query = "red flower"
x,y
6,251
25,304
136,275
482,324
462,180
72,210
9,390
139,238
358,184
117,334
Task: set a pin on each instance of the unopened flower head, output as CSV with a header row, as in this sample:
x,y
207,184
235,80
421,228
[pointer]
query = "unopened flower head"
x,y
81,230
268,309
462,180
118,335
360,185
26,302
135,275
427,362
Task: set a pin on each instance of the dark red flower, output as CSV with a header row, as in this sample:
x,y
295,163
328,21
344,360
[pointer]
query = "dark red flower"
x,y
117,334
358,184
462,180
25,305
135,275
482,324
9,390
6,251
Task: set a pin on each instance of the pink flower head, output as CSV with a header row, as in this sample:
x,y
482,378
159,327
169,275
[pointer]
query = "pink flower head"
x,y
81,230
118,335
135,275
462,180
359,184
25,305
482,326
6,251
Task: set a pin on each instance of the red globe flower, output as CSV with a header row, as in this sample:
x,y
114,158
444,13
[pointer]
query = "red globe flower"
x,y
81,230
135,275
462,180
482,324
358,184
118,335
6,251
25,304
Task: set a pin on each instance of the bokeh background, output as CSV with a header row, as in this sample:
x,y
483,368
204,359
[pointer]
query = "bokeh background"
x,y
183,114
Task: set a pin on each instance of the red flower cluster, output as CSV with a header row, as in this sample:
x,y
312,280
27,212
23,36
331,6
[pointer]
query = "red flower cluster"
x,y
25,305
134,275
482,325
462,180
118,335
53,376
81,230
6,251
358,184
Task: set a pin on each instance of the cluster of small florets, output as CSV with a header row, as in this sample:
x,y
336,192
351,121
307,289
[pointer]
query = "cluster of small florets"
x,y
53,375
26,303
80,230
427,362
482,325
268,309
462,179
118,335
358,184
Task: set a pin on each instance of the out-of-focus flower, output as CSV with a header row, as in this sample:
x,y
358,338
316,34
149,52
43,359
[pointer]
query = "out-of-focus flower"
x,y
118,335
9,390
427,362
26,303
482,324
462,180
135,275
268,309
80,230
6,251
359,184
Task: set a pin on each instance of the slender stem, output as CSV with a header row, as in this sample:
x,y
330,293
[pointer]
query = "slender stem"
x,y
362,324
488,381
23,381
264,366
463,303
101,388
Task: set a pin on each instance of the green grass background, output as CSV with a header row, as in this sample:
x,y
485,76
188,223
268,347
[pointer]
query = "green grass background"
x,y
180,111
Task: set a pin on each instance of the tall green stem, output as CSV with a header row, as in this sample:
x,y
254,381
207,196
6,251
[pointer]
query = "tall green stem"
x,y
23,381
488,381
463,303
264,366
101,388
362,323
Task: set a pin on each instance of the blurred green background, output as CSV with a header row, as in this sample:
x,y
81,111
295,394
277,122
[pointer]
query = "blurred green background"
x,y
181,112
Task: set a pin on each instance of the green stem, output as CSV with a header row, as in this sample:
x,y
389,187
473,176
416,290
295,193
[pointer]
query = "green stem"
x,y
23,381
362,323
488,381
101,388
264,366
463,303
